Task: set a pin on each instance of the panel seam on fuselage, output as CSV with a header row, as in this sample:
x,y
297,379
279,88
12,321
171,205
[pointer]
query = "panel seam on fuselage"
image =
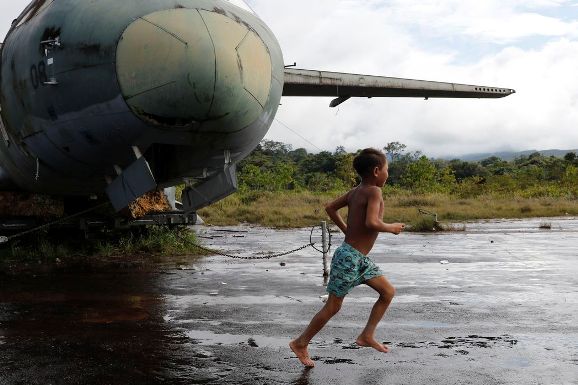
x,y
165,30
215,54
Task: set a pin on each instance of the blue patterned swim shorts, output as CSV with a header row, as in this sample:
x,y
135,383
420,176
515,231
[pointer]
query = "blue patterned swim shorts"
x,y
350,268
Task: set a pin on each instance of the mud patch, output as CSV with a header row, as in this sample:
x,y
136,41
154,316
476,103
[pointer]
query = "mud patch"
x,y
459,344
475,341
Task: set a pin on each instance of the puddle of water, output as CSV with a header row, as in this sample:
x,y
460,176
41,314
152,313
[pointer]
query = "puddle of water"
x,y
428,325
208,338
110,316
517,362
182,301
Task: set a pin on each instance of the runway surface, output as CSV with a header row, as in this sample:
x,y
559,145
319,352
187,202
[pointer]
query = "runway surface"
x,y
496,304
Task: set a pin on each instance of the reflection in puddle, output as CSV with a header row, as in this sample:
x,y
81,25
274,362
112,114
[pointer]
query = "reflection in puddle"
x,y
428,324
108,316
517,362
208,338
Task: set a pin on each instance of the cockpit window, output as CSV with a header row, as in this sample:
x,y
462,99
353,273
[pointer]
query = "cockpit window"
x,y
32,10
241,4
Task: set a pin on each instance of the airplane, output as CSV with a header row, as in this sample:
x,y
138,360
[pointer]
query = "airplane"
x,y
113,99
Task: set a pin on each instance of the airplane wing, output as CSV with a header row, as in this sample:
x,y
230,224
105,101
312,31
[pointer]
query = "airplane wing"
x,y
343,86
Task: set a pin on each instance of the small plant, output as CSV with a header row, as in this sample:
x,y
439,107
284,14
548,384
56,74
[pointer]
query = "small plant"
x,y
428,224
545,226
424,224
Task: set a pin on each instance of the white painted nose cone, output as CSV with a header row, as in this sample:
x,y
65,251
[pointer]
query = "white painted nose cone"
x,y
183,67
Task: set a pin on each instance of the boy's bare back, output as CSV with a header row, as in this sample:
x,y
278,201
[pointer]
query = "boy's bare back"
x,y
364,219
362,203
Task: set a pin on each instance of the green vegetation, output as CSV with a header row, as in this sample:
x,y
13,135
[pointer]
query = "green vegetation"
x,y
57,246
282,187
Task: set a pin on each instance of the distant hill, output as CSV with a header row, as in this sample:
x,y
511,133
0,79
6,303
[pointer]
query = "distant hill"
x,y
510,155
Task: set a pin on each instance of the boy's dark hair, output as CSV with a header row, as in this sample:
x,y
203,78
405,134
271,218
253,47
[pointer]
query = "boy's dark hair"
x,y
367,160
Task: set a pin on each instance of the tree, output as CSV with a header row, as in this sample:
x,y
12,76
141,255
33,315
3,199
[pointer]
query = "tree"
x,y
570,157
340,150
394,150
322,162
298,155
570,177
497,166
344,170
318,181
275,148
446,180
463,170
420,175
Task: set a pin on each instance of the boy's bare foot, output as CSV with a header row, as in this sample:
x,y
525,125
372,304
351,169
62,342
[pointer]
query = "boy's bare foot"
x,y
371,343
302,353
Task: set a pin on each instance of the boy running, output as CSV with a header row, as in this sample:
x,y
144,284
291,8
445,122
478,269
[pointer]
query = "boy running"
x,y
350,266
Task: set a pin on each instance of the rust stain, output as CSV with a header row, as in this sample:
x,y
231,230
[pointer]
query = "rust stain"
x,y
33,12
220,11
243,22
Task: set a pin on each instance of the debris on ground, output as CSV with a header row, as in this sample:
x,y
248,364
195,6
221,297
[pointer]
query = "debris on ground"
x,y
14,204
152,202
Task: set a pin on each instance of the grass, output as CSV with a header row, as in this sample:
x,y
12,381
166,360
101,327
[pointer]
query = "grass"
x,y
154,242
290,209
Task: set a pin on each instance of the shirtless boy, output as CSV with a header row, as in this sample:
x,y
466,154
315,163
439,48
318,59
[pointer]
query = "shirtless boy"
x,y
350,266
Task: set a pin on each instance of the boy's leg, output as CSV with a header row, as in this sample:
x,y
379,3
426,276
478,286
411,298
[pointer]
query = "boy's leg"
x,y
299,345
386,293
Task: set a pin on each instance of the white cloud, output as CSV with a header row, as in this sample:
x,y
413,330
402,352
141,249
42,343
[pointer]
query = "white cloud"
x,y
393,38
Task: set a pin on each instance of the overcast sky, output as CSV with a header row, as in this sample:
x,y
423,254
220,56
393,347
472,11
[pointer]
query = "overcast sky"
x,y
528,45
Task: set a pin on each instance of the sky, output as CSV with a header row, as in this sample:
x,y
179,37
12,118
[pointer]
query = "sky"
x,y
528,45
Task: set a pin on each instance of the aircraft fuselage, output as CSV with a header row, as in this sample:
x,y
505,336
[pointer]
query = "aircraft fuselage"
x,y
88,86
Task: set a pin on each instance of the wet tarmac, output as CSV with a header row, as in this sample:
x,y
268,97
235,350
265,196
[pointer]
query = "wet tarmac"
x,y
496,304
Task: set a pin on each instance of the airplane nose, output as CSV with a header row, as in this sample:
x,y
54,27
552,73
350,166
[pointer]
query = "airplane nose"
x,y
182,68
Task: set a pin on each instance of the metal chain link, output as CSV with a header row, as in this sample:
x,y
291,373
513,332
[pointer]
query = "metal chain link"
x,y
253,258
270,256
48,225
313,243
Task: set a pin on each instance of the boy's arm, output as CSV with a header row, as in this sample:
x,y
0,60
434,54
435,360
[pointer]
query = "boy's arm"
x,y
372,219
332,208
